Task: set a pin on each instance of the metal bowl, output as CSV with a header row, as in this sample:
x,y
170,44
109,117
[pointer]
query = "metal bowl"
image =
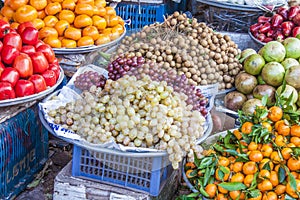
x,y
20,100
88,49
255,39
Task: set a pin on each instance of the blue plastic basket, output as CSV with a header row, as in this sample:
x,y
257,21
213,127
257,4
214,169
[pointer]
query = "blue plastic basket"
x,y
23,151
147,174
141,14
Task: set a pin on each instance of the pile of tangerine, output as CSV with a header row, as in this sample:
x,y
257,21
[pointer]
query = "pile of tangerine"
x,y
260,160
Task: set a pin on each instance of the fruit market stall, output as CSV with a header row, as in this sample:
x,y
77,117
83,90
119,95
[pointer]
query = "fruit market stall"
x,y
142,89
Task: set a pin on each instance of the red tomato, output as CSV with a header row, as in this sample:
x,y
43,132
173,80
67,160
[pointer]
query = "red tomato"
x,y
1,46
28,49
40,42
8,54
4,28
24,25
55,67
30,35
47,51
13,39
24,88
2,67
49,77
38,82
55,61
23,65
39,61
10,75
6,91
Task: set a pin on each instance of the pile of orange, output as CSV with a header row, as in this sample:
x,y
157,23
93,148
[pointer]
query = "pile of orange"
x,y
66,23
260,160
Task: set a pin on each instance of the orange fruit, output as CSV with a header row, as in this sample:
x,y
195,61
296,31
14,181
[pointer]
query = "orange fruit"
x,y
238,177
295,130
16,4
47,31
280,189
286,153
295,141
102,39
221,196
72,33
85,41
86,9
7,11
237,134
293,164
100,3
264,174
265,185
91,31
38,4
249,168
237,167
110,10
38,23
270,196
283,129
54,42
61,26
280,140
67,15
248,180
82,21
53,8
223,161
247,127
237,194
275,158
274,178
50,21
99,22
25,13
68,5
266,150
252,146
275,113
68,43
211,190
255,156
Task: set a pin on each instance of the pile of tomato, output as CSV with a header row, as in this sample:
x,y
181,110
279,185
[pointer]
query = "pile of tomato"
x,y
67,23
260,160
27,65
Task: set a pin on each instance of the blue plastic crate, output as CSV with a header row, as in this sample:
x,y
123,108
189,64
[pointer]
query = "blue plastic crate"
x,y
147,174
141,14
23,151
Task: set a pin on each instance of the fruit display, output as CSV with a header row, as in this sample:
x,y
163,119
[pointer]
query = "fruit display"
x,y
192,48
138,67
259,160
274,70
284,23
136,113
68,23
28,65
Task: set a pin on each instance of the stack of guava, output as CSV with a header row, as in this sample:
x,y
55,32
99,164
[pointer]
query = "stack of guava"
x,y
264,74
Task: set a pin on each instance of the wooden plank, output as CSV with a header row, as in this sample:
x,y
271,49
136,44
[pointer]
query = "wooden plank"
x,y
73,188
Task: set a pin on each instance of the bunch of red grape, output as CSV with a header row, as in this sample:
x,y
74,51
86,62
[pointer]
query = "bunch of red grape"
x,y
120,66
89,78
